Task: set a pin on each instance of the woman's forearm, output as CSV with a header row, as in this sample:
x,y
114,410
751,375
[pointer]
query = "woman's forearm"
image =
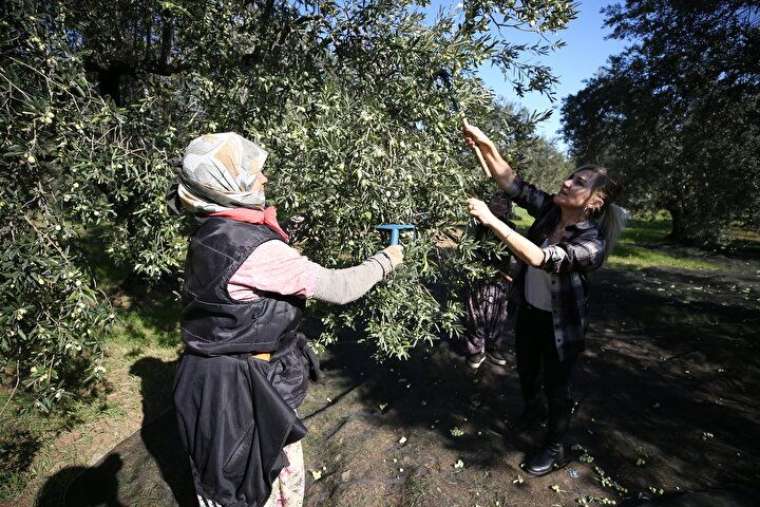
x,y
521,246
500,168
341,286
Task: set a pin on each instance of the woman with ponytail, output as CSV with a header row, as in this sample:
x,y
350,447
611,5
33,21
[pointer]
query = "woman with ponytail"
x,y
573,233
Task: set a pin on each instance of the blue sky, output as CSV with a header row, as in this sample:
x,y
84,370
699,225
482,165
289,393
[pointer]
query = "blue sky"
x,y
586,51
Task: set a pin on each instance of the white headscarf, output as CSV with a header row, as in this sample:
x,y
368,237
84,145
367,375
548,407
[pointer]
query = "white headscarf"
x,y
218,173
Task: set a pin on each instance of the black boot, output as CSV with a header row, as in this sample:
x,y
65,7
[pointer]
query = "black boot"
x,y
551,457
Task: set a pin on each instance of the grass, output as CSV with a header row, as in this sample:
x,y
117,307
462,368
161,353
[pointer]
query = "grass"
x,y
633,256
643,245
31,448
26,434
146,328
154,322
19,443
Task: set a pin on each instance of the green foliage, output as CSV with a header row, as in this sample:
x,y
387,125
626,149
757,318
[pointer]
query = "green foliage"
x,y
677,113
52,315
535,158
343,95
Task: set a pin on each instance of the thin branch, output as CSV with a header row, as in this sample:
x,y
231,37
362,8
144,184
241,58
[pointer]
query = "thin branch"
x,y
18,381
46,238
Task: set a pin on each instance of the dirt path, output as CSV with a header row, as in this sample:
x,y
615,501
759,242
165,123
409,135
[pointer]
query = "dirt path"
x,y
667,403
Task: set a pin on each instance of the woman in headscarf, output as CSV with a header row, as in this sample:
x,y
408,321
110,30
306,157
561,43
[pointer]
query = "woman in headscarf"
x,y
245,368
573,233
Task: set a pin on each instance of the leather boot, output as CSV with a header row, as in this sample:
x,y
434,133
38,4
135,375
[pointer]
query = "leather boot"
x,y
551,457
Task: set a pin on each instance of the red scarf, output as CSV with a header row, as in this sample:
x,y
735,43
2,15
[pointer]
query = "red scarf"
x,y
267,216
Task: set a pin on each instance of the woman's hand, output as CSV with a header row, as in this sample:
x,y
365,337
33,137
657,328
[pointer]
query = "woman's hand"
x,y
480,210
395,253
474,136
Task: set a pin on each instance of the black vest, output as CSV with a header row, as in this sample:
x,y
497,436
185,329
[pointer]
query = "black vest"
x,y
214,324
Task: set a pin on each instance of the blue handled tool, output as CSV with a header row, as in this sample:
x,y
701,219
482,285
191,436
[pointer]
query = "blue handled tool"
x,y
394,228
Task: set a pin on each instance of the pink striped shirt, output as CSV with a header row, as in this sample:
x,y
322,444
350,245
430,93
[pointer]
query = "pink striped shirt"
x,y
274,267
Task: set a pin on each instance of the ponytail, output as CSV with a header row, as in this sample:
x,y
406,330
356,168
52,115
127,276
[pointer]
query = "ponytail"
x,y
611,218
611,223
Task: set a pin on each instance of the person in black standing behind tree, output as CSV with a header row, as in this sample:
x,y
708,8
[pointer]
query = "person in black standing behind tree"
x,y
572,235
488,319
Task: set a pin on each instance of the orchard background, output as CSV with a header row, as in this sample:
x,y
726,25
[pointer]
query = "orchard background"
x,y
97,106
97,103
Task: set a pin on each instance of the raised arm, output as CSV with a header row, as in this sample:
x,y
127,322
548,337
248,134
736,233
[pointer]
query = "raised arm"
x,y
584,254
500,169
521,246
525,195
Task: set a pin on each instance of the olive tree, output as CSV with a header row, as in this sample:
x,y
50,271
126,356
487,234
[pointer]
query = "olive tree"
x,y
676,113
344,96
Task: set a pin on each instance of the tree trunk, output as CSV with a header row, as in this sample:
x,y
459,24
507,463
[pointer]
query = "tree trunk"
x,y
694,229
679,231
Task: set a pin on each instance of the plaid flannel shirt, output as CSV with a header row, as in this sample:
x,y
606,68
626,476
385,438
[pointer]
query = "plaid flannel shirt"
x,y
580,251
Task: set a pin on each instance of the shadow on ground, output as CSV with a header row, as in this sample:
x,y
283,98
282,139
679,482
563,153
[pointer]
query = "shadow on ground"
x,y
147,469
667,415
666,407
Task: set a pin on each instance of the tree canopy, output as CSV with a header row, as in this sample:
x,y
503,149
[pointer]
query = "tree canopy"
x,y
98,103
677,114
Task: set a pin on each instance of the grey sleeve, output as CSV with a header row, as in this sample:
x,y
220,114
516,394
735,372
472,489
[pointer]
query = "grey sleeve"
x,y
341,286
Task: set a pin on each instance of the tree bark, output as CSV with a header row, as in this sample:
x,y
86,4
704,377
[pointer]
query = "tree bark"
x,y
679,229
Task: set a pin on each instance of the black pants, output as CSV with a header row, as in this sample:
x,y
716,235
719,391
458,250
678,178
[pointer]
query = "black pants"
x,y
537,360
